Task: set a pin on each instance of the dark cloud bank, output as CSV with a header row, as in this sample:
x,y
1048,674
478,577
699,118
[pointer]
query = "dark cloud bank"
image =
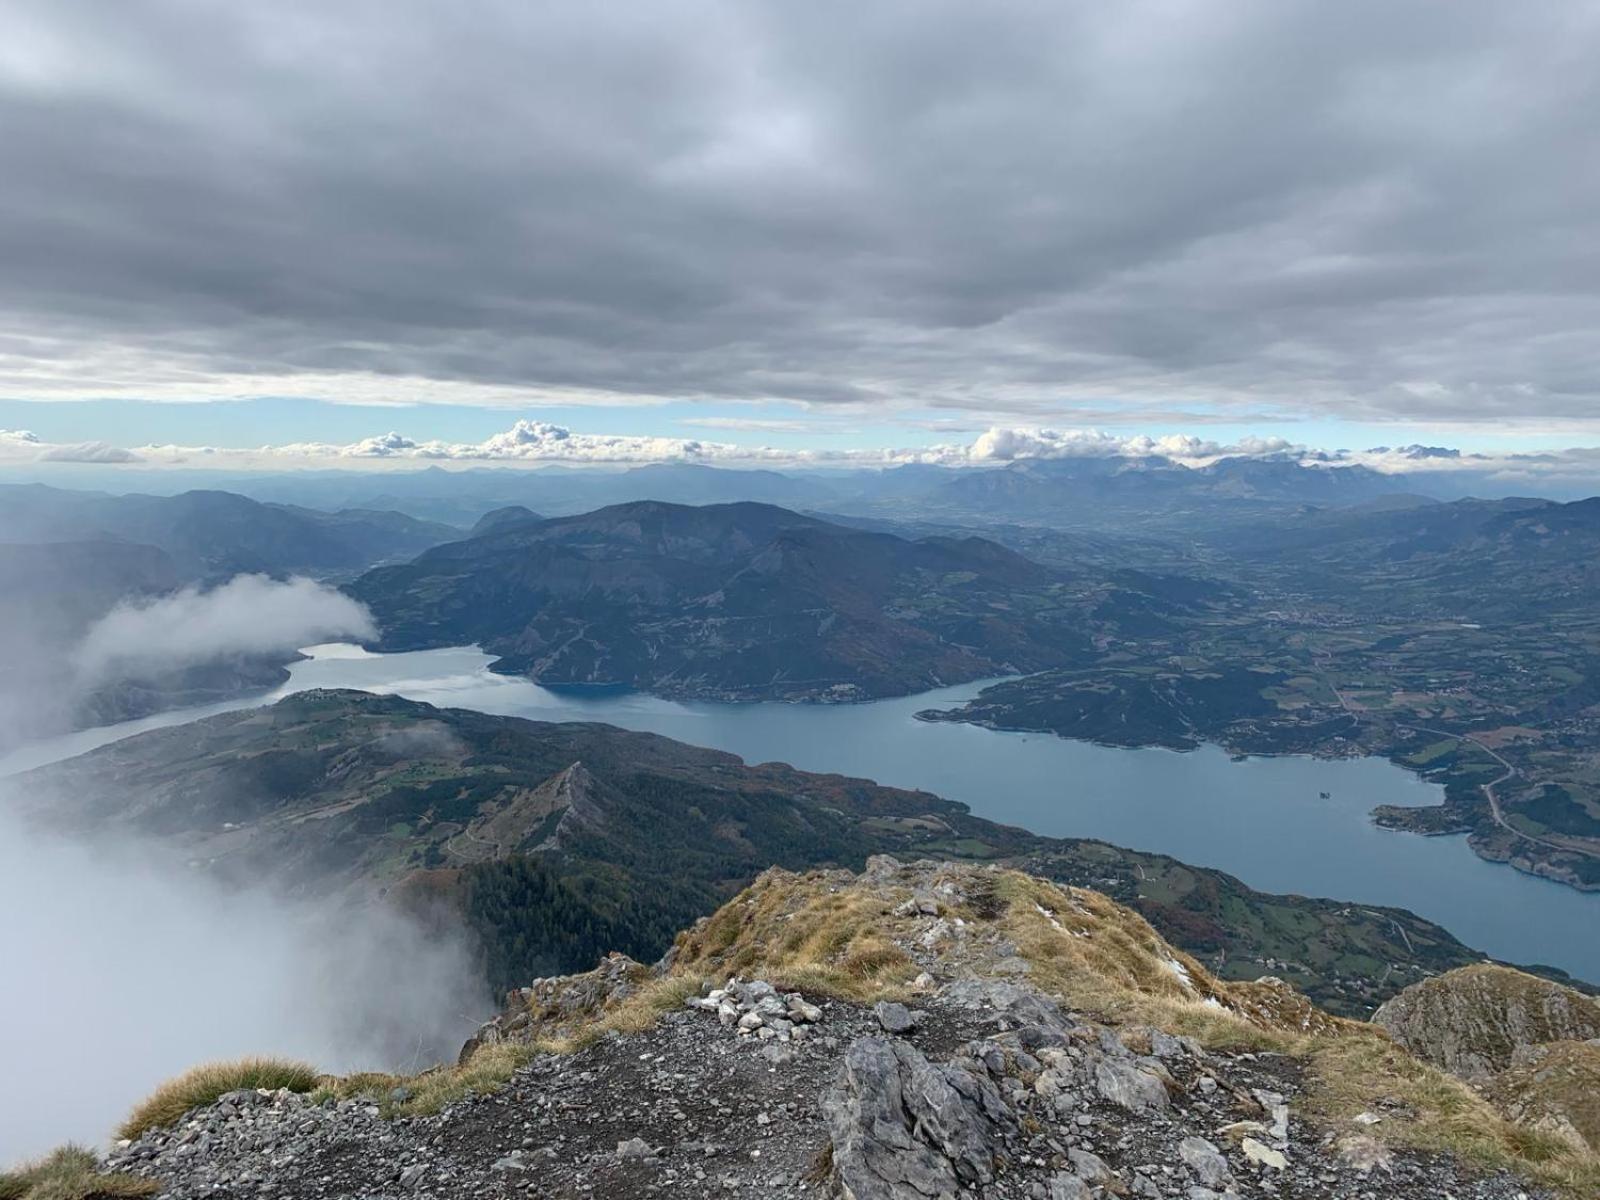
x,y
1369,210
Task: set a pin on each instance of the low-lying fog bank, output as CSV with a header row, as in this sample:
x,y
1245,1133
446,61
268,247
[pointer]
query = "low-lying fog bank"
x,y
121,967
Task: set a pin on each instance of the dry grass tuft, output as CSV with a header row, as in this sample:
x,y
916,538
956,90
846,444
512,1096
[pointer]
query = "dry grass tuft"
x,y
1430,1110
1556,1086
1107,960
486,1071
1102,958
203,1084
805,932
70,1173
633,1015
491,1067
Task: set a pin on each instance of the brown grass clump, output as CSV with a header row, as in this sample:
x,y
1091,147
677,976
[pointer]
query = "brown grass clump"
x,y
810,933
827,933
204,1084
1100,957
70,1173
491,1067
830,933
1427,1109
486,1071
1555,1086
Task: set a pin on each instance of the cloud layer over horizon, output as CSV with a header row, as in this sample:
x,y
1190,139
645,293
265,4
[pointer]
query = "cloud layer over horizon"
x,y
1162,211
538,443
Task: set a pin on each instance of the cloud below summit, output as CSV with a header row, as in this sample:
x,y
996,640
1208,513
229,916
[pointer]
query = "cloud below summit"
x,y
250,614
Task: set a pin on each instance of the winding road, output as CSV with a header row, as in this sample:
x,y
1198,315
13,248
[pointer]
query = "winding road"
x,y
1508,771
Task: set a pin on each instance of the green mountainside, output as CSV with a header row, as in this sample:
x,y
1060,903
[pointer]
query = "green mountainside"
x,y
1460,640
737,601
560,842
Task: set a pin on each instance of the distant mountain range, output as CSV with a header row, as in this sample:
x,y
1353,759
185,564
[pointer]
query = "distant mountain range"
x,y
209,535
738,601
1506,560
67,558
1075,492
1151,493
460,496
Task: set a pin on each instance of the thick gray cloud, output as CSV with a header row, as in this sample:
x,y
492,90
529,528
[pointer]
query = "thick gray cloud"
x,y
1366,210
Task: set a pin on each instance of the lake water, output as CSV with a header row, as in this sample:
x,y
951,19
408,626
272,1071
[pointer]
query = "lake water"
x,y
1260,818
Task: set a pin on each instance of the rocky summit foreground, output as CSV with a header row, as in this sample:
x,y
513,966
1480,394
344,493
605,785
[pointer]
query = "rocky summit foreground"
x,y
915,1032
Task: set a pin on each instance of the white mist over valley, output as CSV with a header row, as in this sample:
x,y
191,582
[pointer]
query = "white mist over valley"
x,y
126,964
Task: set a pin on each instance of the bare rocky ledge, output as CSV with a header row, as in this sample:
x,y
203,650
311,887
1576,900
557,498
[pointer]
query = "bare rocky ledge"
x,y
973,1079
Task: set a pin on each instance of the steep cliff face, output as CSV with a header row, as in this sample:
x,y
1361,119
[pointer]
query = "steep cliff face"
x,y
905,1033
1473,1021
1531,1046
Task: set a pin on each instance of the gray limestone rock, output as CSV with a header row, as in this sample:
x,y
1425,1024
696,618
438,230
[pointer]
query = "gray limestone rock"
x,y
1125,1083
903,1128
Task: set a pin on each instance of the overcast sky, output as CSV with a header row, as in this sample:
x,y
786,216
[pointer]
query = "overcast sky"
x,y
825,224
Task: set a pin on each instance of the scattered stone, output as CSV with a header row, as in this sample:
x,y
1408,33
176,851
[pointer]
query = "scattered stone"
x,y
894,1017
1362,1152
1130,1086
1277,1109
1260,1152
1003,1096
1089,1167
801,1010
1206,1161
1068,1187
1239,1130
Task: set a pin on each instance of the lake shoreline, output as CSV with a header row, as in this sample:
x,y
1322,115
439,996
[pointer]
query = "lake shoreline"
x,y
1259,819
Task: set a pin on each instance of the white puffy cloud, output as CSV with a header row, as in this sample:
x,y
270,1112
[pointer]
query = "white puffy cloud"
x,y
534,443
1003,445
88,452
250,614
540,441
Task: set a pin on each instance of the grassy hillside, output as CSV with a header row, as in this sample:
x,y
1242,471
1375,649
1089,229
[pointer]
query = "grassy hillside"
x,y
559,842
741,601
